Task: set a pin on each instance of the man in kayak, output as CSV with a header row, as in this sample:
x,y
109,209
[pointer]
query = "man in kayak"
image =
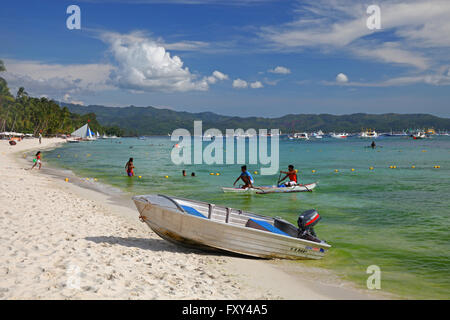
x,y
246,178
292,174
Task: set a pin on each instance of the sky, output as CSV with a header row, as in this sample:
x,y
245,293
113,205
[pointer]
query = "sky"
x,y
263,58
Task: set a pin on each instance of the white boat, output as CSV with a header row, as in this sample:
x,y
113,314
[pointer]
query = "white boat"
x,y
339,135
206,226
300,136
73,140
84,133
318,135
369,134
272,189
419,135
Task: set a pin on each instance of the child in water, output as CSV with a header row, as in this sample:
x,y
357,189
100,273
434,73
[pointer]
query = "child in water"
x,y
37,161
129,168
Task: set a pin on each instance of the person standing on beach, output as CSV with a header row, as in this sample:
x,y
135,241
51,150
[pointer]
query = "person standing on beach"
x,y
129,168
37,161
40,138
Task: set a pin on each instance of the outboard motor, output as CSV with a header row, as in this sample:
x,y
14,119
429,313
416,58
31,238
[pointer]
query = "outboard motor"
x,y
306,221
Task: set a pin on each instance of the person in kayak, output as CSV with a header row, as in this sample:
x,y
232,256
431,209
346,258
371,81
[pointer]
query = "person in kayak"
x,y
292,174
246,177
129,168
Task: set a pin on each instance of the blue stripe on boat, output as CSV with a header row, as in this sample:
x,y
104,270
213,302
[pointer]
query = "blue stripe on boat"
x,y
192,211
269,227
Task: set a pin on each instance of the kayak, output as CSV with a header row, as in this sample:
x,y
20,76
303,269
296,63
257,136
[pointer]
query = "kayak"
x,y
272,189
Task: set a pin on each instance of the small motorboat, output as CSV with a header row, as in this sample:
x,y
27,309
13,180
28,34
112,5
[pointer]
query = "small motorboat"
x,y
300,136
272,189
339,135
205,226
419,135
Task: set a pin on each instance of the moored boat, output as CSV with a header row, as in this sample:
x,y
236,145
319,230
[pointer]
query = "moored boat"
x,y
419,135
299,136
339,135
206,226
369,134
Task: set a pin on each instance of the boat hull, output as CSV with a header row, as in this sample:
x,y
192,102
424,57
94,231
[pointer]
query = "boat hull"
x,y
272,189
211,234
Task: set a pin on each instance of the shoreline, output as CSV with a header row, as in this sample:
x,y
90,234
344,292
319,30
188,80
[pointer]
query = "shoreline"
x,y
98,241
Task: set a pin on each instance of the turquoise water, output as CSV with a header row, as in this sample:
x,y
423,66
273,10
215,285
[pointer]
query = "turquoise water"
x,y
397,219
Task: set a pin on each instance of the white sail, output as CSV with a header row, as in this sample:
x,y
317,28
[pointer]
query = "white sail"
x,y
82,132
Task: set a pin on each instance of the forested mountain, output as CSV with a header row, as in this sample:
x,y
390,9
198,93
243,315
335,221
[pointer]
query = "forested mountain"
x,y
154,121
25,114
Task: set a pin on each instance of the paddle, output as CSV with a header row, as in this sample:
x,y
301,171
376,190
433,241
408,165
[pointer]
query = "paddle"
x,y
278,181
307,188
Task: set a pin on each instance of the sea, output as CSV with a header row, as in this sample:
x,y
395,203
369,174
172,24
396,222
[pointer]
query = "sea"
x,y
387,207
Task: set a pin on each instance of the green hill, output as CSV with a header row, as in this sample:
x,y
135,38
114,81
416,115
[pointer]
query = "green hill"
x,y
153,121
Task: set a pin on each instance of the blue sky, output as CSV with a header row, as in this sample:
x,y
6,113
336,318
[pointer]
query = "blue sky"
x,y
248,57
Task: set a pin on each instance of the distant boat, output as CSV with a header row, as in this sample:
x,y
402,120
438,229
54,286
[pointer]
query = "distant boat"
x,y
84,133
318,135
369,134
339,135
396,134
300,136
419,135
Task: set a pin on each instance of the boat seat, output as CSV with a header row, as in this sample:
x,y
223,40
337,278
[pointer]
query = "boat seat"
x,y
263,225
193,211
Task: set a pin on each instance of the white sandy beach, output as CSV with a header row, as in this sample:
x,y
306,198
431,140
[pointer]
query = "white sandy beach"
x,y
61,241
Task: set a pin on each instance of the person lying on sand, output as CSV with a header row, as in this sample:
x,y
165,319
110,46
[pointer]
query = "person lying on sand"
x,y
246,177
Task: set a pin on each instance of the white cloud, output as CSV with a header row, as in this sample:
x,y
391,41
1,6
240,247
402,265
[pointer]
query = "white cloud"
x,y
440,78
280,70
67,98
240,84
56,80
216,76
256,85
219,75
390,52
144,65
341,78
417,31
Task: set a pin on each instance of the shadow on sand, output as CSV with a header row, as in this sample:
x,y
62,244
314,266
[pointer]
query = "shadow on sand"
x,y
159,245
